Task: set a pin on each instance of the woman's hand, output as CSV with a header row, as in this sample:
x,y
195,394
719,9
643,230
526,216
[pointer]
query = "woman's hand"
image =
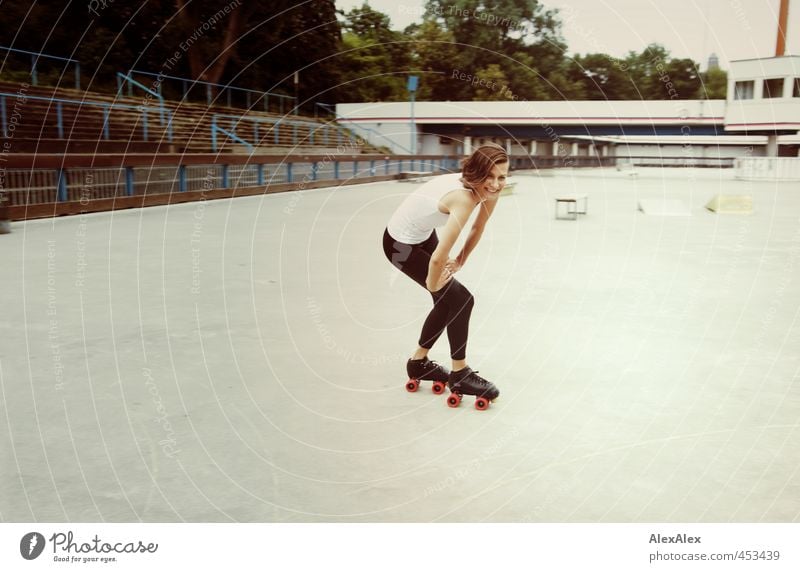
x,y
450,267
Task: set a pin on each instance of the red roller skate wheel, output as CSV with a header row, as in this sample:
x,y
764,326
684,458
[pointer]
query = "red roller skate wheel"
x,y
481,404
454,400
438,387
412,385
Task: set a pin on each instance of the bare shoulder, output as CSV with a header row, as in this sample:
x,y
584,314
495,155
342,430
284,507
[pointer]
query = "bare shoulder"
x,y
459,200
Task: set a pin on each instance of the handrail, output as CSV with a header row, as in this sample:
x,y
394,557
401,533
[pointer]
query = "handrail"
x,y
107,107
379,134
216,128
326,106
40,54
34,75
157,95
282,121
209,84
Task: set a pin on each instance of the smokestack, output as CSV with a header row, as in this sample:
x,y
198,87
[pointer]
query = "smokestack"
x,y
783,17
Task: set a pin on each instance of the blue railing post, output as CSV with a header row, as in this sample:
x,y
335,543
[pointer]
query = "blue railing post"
x,y
355,168
277,130
144,123
61,185
372,168
255,132
3,116
106,118
182,179
214,134
34,74
59,120
289,173
129,181
225,176
260,174
314,171
336,169
77,75
386,166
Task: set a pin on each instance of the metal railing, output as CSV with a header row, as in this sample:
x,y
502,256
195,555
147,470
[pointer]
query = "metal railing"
x,y
390,144
251,96
123,79
768,168
35,56
59,109
318,133
103,177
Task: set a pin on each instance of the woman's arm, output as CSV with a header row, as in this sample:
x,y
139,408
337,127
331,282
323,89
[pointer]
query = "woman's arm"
x,y
476,231
459,215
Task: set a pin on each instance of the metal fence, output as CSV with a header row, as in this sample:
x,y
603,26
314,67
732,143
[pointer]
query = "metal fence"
x,y
80,183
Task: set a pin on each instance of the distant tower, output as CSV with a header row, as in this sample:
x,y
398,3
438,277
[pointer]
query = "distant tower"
x,y
713,62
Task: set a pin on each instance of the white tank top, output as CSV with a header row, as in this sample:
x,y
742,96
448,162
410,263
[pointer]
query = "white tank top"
x,y
418,215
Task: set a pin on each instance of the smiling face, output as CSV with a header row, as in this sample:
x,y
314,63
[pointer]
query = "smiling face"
x,y
493,183
484,172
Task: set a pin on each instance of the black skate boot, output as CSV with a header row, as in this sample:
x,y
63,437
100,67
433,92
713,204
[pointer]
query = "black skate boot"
x,y
425,369
468,382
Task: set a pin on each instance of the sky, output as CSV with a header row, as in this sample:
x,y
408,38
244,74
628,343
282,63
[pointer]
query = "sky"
x,y
733,29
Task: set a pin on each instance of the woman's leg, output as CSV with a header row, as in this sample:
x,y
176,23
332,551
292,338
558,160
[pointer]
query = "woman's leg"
x,y
413,260
452,309
452,305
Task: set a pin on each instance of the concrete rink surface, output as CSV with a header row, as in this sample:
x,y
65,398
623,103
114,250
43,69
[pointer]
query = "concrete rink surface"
x,y
244,360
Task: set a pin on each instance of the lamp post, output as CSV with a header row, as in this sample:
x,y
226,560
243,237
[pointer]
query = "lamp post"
x,y
412,90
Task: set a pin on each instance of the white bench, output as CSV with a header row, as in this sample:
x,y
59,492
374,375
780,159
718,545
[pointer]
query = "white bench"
x,y
574,205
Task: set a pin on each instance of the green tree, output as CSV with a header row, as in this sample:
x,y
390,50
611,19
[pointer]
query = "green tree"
x,y
603,77
511,34
434,56
375,59
715,84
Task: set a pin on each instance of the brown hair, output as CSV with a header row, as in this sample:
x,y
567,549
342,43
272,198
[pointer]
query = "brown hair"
x,y
479,165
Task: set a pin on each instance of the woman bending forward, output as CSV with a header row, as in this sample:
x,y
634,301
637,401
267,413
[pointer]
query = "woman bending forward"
x,y
412,245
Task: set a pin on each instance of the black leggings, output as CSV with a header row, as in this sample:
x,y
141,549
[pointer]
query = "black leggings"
x,y
452,305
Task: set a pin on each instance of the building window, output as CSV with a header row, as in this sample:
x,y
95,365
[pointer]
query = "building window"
x,y
773,87
796,90
743,90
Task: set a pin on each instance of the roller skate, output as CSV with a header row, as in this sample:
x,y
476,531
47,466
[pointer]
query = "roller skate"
x,y
468,382
426,370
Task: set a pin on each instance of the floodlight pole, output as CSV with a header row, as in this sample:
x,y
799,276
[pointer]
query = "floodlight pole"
x,y
783,18
412,90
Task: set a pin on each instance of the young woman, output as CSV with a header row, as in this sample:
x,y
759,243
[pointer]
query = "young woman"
x,y
412,245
